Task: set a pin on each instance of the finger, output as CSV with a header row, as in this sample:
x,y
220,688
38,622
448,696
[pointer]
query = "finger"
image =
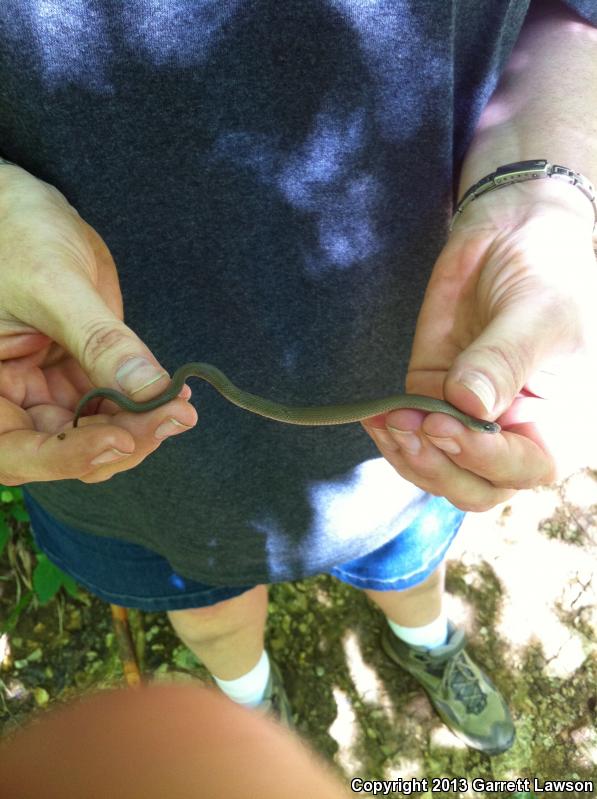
x,y
432,470
148,429
106,406
22,344
49,418
145,427
510,459
28,456
490,372
69,309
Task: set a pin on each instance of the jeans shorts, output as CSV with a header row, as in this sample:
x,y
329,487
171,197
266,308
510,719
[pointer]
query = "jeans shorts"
x,y
135,577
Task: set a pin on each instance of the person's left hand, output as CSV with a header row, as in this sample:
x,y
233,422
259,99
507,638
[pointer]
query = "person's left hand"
x,y
506,332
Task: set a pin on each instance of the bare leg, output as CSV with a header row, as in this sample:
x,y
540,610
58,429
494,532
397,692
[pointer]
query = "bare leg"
x,y
414,607
228,637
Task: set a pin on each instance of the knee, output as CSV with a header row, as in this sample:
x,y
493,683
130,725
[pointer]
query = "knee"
x,y
222,619
199,624
430,584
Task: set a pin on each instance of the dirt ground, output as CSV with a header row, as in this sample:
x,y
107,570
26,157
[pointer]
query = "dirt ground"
x,y
521,579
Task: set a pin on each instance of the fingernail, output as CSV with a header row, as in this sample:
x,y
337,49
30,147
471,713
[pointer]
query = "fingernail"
x,y
138,373
108,456
170,428
446,444
406,439
481,386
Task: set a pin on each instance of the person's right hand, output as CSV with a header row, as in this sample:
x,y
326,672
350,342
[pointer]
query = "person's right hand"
x,y
61,333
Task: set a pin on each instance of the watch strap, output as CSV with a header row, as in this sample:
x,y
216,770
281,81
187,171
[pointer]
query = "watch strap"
x,y
521,171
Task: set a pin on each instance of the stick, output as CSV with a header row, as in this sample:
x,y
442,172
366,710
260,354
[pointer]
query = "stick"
x,y
126,649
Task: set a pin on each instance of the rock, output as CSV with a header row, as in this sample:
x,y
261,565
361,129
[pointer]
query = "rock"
x,y
35,656
74,620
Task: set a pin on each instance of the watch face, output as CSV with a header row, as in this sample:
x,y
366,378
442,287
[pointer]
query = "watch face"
x,y
522,166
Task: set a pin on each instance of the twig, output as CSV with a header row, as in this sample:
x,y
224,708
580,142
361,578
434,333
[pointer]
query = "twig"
x,y
124,641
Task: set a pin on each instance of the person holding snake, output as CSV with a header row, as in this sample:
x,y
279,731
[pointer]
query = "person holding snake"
x,y
370,226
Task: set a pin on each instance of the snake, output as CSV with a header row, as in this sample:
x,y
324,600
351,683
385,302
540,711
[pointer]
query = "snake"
x,y
314,415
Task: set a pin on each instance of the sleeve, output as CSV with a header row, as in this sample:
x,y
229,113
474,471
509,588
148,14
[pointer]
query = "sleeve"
x,y
587,9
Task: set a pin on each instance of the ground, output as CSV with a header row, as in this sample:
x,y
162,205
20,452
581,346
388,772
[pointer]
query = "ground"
x,y
521,581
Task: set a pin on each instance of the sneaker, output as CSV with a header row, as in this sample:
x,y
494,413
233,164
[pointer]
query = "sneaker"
x,y
465,698
275,701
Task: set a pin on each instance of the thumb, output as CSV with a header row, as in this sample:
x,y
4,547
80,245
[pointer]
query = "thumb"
x,y
76,316
486,377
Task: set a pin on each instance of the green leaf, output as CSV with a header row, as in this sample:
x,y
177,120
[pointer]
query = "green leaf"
x,y
33,544
47,579
70,586
19,513
184,659
6,495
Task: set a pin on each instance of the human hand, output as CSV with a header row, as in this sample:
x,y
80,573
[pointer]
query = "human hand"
x,y
507,332
61,332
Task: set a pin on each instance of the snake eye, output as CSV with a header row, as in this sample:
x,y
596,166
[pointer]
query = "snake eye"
x,y
491,427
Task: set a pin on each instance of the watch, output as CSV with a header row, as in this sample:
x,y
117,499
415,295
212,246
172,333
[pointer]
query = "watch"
x,y
521,171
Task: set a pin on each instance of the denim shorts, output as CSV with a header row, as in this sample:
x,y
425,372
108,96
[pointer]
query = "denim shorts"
x,y
132,576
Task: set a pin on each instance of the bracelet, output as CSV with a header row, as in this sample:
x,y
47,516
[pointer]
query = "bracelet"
x,y
520,171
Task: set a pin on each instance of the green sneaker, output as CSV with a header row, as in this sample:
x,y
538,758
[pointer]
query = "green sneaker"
x,y
465,698
275,701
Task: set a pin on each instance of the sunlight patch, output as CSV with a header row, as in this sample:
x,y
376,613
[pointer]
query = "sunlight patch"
x,y
67,35
443,738
364,677
343,728
365,499
391,44
322,177
4,650
175,32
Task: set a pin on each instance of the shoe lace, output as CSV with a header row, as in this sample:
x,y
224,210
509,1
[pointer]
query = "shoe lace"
x,y
463,683
450,664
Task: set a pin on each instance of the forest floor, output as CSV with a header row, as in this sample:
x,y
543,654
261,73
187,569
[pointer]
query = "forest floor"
x,y
521,580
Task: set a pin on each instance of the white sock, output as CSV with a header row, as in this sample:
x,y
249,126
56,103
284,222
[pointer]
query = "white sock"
x,y
429,636
250,688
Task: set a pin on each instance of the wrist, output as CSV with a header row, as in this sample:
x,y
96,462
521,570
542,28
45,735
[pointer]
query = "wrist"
x,y
517,203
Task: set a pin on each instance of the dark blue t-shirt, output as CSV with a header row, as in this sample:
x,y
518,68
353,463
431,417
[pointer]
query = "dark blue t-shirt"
x,y
274,181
